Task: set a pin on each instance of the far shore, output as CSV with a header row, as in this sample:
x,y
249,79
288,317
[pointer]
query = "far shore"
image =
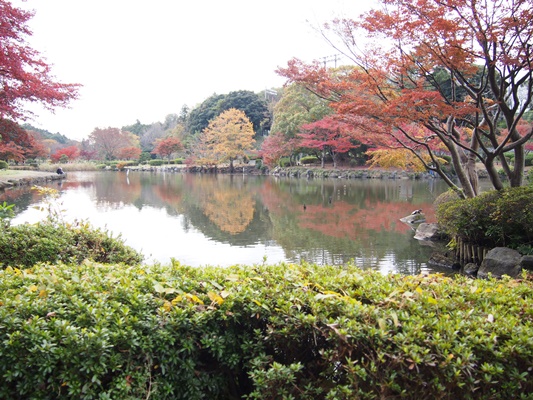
x,y
11,177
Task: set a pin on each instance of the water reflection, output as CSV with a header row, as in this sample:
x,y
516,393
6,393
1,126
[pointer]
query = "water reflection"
x,y
222,219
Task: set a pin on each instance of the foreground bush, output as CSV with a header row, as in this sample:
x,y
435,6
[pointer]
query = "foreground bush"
x,y
47,242
495,218
261,332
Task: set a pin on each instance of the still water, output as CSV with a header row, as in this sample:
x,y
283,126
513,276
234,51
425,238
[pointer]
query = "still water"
x,y
224,220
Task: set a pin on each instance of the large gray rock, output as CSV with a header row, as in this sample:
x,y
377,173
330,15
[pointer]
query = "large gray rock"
x,y
441,260
427,231
500,261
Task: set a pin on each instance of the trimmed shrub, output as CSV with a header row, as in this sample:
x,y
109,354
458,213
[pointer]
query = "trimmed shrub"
x,y
3,164
156,163
309,160
495,218
45,242
261,332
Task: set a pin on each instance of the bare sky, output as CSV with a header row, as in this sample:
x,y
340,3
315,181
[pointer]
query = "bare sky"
x,y
142,60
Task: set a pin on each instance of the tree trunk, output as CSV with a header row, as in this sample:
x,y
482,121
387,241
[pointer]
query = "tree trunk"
x,y
462,175
517,174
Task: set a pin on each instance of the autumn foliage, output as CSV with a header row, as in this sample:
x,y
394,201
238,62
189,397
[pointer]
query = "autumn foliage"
x,y
108,143
449,77
227,137
328,135
24,75
167,146
17,144
276,146
70,152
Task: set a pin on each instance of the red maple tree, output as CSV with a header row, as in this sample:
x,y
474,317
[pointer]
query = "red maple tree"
x,y
328,135
168,146
24,74
275,146
129,153
455,69
71,153
17,144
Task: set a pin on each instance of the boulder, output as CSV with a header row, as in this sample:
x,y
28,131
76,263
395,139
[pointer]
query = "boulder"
x,y
441,260
500,261
470,269
427,231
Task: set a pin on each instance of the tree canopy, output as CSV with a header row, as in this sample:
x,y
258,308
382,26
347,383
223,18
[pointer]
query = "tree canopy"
x,y
17,144
228,136
24,74
167,146
108,142
250,103
436,78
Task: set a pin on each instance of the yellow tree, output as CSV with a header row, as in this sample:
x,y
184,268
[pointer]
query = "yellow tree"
x,y
228,136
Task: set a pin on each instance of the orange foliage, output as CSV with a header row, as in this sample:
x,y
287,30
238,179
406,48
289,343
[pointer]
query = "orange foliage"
x,y
229,210
228,136
439,67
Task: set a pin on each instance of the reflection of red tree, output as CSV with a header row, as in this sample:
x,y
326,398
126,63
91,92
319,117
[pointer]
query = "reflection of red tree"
x,y
275,199
341,219
346,220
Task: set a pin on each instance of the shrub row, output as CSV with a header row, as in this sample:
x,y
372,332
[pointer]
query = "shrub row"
x,y
45,242
309,160
261,332
495,218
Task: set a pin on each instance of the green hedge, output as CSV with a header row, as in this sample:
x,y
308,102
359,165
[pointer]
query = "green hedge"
x,y
26,245
157,163
309,160
261,332
495,218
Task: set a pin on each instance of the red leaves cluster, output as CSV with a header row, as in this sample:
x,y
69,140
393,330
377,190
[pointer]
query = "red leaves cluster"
x,y
71,152
448,71
276,146
328,135
168,146
17,144
24,75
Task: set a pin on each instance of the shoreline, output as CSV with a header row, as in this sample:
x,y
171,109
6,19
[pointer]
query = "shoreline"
x,y
290,172
14,178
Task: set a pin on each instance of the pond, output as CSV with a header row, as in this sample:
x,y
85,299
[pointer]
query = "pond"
x,y
238,219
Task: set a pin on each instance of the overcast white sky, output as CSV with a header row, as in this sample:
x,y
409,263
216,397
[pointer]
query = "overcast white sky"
x,y
139,59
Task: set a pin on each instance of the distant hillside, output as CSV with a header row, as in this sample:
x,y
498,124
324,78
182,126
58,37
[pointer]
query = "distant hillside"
x,y
58,137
